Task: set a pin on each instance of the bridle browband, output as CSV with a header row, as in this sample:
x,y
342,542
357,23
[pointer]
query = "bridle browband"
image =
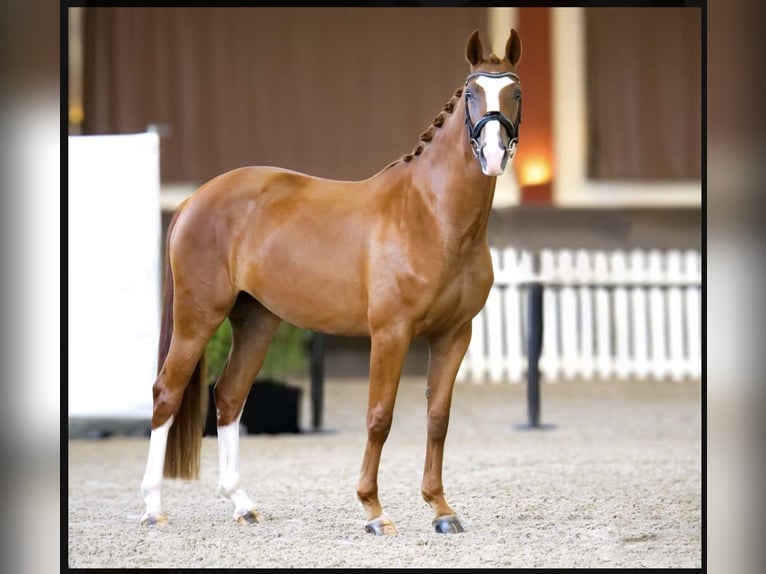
x,y
474,131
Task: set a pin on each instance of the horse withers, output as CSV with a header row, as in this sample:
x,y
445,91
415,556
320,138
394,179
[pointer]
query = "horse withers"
x,y
399,255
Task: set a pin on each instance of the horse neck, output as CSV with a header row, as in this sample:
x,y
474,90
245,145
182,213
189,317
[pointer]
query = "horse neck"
x,y
450,180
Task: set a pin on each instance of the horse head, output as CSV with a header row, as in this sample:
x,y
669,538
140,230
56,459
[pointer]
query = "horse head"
x,y
492,97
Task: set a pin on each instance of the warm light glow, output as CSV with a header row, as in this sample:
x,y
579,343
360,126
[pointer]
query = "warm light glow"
x,y
76,115
535,171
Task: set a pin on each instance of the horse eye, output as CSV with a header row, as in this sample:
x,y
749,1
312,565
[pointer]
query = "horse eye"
x,y
469,95
517,96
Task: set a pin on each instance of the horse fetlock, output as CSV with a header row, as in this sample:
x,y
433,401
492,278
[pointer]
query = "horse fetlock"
x,y
242,503
367,495
151,495
149,489
226,491
432,486
432,495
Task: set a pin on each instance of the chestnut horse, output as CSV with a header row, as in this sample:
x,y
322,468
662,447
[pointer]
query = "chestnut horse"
x,y
400,255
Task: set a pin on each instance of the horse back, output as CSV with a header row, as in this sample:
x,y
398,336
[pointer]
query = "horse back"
x,y
296,243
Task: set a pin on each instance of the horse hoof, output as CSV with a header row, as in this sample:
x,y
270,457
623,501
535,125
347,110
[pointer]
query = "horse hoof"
x,y
249,517
154,520
380,526
449,524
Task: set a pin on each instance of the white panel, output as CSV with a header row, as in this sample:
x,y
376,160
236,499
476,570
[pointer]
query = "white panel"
x,y
114,274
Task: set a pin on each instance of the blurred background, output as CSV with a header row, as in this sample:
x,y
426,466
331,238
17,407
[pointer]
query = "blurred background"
x,y
610,156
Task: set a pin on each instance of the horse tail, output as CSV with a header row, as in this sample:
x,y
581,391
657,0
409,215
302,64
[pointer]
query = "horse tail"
x,y
182,453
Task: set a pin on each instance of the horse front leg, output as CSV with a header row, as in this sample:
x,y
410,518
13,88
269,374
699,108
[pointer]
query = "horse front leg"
x,y
389,347
446,353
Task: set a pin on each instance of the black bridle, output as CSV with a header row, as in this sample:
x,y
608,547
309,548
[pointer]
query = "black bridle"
x,y
474,131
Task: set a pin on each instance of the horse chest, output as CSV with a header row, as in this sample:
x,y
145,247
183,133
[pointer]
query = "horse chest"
x,y
461,298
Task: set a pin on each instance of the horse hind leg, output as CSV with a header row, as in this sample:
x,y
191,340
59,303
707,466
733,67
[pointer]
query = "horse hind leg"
x,y
183,357
253,327
192,329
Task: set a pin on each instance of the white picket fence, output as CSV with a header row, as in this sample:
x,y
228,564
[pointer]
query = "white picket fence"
x,y
606,315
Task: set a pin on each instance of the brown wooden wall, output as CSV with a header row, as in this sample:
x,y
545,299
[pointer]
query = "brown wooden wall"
x,y
644,93
335,92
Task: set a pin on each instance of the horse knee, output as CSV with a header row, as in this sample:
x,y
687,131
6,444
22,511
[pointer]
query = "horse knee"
x,y
378,423
437,425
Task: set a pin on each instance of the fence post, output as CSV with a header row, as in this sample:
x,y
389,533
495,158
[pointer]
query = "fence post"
x,y
317,378
534,346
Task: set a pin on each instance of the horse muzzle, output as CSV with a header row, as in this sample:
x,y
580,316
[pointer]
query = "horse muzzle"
x,y
493,157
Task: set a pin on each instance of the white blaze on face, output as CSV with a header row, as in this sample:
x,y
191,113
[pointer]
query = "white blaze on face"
x,y
492,150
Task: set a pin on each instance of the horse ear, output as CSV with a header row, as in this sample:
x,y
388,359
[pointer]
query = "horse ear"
x,y
513,48
474,51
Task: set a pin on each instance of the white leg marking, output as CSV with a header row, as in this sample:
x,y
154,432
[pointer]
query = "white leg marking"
x,y
151,485
228,458
492,150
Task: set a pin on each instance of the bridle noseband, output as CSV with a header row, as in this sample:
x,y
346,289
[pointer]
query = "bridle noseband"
x,y
474,131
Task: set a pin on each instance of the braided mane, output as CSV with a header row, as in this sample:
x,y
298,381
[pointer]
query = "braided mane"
x,y
436,123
